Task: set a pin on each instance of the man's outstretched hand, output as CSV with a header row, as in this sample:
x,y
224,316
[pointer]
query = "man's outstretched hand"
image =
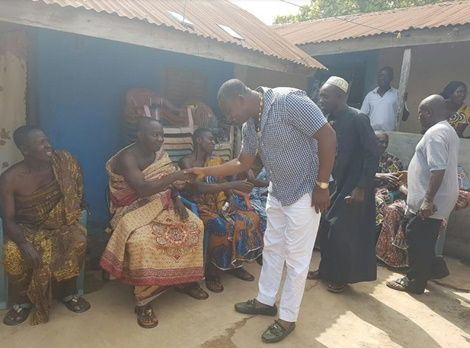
x,y
196,173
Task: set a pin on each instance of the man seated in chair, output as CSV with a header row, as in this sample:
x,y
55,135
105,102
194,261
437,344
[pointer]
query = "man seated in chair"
x,y
232,225
156,242
45,243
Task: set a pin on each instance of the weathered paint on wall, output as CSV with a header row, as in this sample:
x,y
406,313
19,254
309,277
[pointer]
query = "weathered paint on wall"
x,y
432,67
79,84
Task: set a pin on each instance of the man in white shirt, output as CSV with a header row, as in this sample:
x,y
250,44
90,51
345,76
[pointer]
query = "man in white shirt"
x,y
433,190
381,104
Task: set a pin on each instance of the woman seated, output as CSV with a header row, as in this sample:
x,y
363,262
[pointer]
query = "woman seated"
x,y
455,93
391,244
231,224
388,189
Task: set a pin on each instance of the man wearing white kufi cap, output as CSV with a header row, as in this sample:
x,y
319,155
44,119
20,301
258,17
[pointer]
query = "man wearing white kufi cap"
x,y
347,239
339,82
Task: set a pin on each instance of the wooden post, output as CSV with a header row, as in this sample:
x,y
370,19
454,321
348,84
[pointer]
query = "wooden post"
x,y
404,78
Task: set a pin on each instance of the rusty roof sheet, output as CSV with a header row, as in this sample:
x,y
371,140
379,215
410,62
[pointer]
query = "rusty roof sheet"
x,y
369,24
206,16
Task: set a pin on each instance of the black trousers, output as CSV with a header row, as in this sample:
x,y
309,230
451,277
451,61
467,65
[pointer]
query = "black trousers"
x,y
421,236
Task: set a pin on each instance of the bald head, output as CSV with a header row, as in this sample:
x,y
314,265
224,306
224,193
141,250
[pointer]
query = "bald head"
x,y
432,110
231,89
146,123
150,134
238,102
437,105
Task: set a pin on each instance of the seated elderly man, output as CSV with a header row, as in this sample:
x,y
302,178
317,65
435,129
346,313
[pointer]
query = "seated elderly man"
x,y
40,200
156,242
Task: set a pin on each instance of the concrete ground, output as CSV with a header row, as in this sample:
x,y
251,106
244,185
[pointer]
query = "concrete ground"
x,y
366,315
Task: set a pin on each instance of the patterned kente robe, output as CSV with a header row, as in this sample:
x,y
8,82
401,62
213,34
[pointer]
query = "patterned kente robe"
x,y
49,218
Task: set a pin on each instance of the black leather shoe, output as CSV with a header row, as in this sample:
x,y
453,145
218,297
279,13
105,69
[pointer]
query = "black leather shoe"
x,y
254,307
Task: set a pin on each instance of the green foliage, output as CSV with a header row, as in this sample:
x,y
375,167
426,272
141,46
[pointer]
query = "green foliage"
x,y
332,8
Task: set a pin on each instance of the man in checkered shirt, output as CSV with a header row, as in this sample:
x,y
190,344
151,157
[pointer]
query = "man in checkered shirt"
x,y
297,147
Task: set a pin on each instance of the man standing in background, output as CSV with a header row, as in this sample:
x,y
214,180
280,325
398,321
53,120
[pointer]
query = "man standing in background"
x,y
381,104
433,190
348,242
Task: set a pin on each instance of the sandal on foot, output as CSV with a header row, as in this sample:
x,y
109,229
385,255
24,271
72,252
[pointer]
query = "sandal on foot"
x,y
17,315
403,284
313,275
336,288
193,290
146,317
242,274
276,332
213,284
76,304
255,307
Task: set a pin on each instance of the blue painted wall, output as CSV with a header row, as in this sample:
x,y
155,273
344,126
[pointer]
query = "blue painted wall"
x,y
78,85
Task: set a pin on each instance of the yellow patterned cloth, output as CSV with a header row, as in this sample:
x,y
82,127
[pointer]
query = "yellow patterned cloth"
x,y
460,117
150,246
50,221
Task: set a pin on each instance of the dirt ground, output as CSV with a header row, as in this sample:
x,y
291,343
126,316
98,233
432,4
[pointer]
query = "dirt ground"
x,y
366,315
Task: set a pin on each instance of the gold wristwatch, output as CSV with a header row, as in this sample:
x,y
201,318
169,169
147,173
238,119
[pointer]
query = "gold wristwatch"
x,y
323,185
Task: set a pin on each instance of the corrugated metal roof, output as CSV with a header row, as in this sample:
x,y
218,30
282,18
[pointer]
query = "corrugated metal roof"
x,y
369,24
206,15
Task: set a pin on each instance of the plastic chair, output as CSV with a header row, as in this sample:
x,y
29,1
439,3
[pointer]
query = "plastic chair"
x,y
4,278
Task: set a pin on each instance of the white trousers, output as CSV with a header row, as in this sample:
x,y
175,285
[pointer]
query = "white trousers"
x,y
289,239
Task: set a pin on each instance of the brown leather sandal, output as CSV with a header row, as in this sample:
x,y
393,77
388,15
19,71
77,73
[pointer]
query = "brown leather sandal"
x,y
146,317
77,304
213,283
16,315
242,274
193,290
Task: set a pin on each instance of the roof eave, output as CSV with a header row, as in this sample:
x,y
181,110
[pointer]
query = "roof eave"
x,y
408,38
137,32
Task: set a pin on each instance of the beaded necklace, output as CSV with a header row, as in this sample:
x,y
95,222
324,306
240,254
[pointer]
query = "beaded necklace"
x,y
258,120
